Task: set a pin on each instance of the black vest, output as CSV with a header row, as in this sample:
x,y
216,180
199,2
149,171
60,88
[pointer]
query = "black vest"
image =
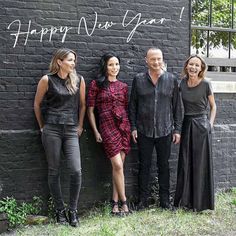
x,y
61,106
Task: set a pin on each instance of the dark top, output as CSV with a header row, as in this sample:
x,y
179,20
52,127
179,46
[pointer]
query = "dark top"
x,y
61,106
195,99
155,110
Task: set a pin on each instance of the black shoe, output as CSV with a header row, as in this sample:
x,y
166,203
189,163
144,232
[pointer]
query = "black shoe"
x,y
73,218
167,206
142,205
61,217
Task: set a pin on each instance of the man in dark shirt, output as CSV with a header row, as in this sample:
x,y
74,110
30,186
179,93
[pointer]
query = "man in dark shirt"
x,y
156,118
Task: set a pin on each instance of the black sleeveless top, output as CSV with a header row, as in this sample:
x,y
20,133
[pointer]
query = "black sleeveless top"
x,y
61,106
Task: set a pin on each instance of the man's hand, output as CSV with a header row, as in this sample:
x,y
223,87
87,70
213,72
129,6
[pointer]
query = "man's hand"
x,y
176,138
134,135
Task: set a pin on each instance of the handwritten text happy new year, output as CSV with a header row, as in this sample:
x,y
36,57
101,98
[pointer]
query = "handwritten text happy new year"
x,y
127,21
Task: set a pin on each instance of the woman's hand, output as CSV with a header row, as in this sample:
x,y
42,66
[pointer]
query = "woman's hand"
x,y
98,137
79,130
211,123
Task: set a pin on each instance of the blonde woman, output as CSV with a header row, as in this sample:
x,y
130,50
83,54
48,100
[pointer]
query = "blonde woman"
x,y
195,188
64,92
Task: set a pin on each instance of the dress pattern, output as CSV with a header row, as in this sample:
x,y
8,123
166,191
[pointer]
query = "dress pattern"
x,y
112,106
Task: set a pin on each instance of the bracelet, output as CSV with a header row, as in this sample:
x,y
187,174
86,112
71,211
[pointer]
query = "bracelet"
x,y
41,130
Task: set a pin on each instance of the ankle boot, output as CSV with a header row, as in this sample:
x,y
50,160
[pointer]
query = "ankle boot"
x,y
73,218
61,216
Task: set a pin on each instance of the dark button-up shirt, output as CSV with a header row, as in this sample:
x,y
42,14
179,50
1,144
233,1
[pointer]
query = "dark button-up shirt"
x,y
155,110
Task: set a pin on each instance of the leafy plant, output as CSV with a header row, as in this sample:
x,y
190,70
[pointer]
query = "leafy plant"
x,y
50,208
221,17
234,192
234,202
17,212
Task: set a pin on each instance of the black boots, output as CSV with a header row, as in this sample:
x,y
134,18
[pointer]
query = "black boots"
x,y
72,219
61,217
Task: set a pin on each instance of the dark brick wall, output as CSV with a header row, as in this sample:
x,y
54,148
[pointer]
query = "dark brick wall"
x,y
224,142
23,168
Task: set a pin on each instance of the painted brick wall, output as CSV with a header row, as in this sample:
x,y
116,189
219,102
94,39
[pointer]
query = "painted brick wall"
x,y
224,142
31,30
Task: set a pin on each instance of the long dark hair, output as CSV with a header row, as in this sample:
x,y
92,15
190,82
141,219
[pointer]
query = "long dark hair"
x,y
102,80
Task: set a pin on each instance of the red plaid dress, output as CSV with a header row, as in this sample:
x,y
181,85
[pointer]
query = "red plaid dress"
x,y
112,106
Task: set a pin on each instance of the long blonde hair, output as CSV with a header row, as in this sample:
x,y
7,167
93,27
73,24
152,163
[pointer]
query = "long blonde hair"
x,y
202,73
72,81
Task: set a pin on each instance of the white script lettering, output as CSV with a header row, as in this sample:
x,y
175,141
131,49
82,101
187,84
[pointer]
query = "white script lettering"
x,y
128,22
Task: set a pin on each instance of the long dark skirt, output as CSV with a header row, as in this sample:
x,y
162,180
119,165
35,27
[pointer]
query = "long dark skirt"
x,y
195,185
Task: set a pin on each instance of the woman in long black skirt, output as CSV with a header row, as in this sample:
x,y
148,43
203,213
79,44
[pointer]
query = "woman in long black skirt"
x,y
195,185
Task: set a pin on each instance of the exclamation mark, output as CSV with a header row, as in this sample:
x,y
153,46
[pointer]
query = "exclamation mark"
x,y
181,13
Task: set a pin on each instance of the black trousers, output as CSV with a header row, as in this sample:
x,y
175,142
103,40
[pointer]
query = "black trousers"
x,y
195,181
57,139
163,150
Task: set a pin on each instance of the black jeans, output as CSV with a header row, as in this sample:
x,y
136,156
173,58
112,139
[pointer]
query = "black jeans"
x,y
163,150
55,139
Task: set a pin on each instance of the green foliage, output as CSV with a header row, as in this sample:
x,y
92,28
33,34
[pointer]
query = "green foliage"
x,y
17,212
106,231
101,210
234,192
50,208
234,202
105,209
221,17
200,12
153,221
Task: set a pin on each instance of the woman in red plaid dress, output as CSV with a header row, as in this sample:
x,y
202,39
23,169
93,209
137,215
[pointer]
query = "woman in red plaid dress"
x,y
110,97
